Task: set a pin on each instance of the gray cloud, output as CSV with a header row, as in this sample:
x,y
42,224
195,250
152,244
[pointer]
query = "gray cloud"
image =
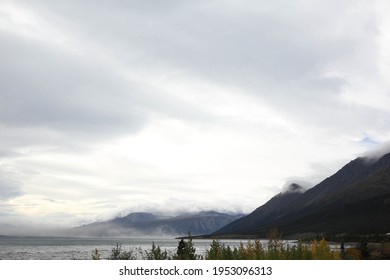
x,y
76,74
284,56
285,53
378,152
9,187
45,88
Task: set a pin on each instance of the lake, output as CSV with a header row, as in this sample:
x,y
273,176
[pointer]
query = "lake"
x,y
66,248
77,248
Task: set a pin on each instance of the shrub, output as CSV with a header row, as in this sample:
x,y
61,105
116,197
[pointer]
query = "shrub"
x,y
321,251
274,250
95,254
353,254
117,253
218,251
156,253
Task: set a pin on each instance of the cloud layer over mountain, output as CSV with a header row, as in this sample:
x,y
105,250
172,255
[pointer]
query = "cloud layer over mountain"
x,y
119,106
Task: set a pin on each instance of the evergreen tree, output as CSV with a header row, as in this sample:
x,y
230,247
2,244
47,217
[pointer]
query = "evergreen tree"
x,y
186,250
342,250
156,253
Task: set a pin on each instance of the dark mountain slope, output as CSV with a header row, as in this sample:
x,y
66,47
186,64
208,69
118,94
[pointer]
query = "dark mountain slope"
x,y
275,208
355,199
356,171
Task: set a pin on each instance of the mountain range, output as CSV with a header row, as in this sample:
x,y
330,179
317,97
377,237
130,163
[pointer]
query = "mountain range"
x,y
356,199
148,224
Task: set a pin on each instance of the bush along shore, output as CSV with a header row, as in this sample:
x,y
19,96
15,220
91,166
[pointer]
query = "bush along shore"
x,y
274,249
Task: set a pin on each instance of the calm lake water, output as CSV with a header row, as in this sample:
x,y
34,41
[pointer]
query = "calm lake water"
x,y
65,248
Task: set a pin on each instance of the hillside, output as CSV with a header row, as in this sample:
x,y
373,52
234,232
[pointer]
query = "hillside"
x,y
356,199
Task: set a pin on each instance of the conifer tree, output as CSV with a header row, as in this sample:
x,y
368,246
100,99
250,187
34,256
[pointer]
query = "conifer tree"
x,y
186,250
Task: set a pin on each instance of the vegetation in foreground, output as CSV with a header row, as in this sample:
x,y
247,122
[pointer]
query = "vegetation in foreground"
x,y
185,251
275,249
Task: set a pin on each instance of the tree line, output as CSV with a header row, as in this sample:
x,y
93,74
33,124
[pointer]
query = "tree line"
x,y
274,249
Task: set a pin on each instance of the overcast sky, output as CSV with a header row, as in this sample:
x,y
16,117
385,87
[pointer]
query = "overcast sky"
x,y
110,107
